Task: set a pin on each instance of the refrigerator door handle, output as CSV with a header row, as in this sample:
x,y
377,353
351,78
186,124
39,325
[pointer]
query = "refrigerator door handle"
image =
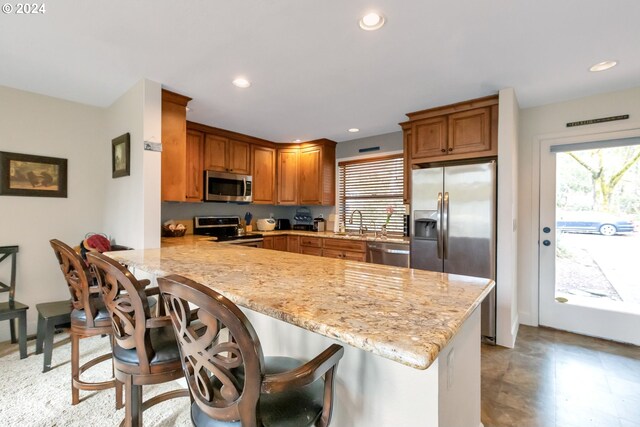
x,y
445,226
439,227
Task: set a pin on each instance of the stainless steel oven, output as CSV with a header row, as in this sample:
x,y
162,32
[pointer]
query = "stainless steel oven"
x,y
227,187
225,229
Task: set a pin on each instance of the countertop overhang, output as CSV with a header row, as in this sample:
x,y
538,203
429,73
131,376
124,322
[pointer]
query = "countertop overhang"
x,y
401,314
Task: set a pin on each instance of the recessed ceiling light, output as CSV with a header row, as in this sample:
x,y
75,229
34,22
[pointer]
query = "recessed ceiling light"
x,y
354,130
297,140
242,82
371,21
602,66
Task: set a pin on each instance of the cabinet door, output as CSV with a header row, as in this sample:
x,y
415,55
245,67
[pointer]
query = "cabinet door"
x,y
280,243
293,244
310,182
470,131
238,157
288,176
194,172
215,153
310,251
429,137
267,242
263,171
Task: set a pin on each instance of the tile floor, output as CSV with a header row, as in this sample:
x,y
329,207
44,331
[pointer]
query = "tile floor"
x,y
554,378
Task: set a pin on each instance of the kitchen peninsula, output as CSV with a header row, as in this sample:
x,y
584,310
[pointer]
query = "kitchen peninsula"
x,y
412,338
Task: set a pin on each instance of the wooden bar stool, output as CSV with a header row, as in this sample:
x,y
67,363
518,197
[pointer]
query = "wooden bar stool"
x,y
50,315
12,309
231,383
145,350
89,318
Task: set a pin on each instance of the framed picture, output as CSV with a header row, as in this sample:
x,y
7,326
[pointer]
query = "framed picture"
x,y
36,176
120,162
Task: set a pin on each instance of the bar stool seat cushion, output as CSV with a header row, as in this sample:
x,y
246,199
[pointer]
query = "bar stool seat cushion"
x,y
163,342
79,316
293,408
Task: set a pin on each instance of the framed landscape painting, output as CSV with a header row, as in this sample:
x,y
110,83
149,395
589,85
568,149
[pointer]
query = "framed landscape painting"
x,y
120,162
29,175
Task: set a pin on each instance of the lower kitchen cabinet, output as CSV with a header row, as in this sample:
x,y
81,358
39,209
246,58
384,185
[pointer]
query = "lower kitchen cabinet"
x,y
293,244
278,243
354,250
307,250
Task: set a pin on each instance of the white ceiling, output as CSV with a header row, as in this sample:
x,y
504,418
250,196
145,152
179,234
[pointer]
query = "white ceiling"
x,y
315,73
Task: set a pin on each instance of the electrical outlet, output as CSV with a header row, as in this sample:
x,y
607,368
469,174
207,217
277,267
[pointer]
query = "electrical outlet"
x,y
450,358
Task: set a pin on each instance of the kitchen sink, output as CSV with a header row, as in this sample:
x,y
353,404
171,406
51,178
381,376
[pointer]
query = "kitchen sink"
x,y
388,253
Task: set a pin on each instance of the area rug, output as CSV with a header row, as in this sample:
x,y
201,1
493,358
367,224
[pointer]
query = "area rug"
x,y
29,397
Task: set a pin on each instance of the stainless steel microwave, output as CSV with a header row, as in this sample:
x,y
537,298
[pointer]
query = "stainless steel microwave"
x,y
227,187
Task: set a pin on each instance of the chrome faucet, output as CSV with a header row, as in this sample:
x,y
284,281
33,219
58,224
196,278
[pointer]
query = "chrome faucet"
x,y
362,229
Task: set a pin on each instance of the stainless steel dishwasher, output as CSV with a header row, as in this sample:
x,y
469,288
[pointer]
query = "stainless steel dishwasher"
x,y
387,253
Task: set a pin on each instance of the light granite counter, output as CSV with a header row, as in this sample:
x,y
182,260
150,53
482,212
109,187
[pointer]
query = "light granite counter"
x,y
190,238
401,314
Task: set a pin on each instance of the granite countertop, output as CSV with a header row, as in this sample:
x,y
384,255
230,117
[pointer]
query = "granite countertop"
x,y
330,234
189,238
398,313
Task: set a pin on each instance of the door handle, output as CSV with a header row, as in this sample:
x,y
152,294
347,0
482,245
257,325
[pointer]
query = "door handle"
x,y
439,227
445,226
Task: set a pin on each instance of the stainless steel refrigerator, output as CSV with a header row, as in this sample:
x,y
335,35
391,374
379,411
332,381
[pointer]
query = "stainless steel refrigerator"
x,y
454,225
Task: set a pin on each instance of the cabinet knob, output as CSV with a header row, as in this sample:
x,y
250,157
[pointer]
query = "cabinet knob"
x,y
443,150
450,149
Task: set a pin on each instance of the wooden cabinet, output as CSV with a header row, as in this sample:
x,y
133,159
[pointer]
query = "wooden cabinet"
x,y
194,171
239,157
313,242
454,132
317,173
306,173
466,130
293,244
182,176
226,155
354,250
307,250
280,243
470,131
277,243
430,137
263,170
287,171
311,245
267,242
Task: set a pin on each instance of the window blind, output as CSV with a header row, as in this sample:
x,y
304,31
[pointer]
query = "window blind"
x,y
371,186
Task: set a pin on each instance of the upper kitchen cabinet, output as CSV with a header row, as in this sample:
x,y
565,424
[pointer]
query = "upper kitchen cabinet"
x,y
287,175
181,152
459,131
226,155
317,173
194,170
263,170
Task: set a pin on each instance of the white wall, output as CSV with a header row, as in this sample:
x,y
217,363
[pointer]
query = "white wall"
x,y
507,260
389,142
36,124
132,211
545,122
